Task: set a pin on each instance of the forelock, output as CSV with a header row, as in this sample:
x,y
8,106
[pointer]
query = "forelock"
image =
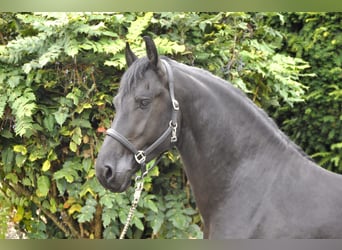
x,y
133,75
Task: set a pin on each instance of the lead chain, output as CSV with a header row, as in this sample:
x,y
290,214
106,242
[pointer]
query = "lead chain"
x,y
139,185
136,197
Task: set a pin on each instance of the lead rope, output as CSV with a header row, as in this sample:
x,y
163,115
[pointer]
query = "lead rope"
x,y
139,186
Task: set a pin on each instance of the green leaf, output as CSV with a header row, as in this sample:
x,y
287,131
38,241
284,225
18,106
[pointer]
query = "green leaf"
x,y
179,221
6,133
37,153
87,164
46,165
73,146
87,187
49,56
106,219
61,115
138,223
24,126
107,201
151,205
43,186
14,81
73,97
61,185
157,222
74,208
189,211
165,46
69,171
87,211
53,205
52,156
77,135
27,182
137,27
79,122
20,160
12,177
49,122
20,149
71,48
3,102
7,156
122,216
68,174
336,146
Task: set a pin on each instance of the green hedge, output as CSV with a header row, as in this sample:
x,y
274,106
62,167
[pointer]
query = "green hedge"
x,y
58,75
317,38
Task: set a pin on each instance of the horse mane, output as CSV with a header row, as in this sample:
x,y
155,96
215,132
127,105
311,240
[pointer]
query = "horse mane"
x,y
244,99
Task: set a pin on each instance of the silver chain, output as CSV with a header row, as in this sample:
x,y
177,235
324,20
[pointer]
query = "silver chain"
x,y
137,193
139,186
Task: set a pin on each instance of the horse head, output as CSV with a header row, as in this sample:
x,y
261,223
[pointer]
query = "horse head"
x,y
145,121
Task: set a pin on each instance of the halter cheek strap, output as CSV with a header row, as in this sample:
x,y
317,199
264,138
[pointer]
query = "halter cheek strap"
x,y
140,155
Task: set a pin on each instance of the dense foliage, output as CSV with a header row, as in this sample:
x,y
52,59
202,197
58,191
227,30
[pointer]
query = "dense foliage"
x,y
317,38
59,72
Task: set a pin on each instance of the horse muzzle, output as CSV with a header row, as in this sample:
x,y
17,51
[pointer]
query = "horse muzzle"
x,y
115,177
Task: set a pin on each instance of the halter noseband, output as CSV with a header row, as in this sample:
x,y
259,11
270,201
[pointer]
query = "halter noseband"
x,y
140,155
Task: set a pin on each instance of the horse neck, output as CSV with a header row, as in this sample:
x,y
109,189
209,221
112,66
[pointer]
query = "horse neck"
x,y
221,132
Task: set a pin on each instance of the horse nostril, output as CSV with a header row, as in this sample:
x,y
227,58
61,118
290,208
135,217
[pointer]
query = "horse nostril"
x,y
108,173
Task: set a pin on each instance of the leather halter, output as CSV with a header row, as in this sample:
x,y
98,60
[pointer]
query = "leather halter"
x,y
140,155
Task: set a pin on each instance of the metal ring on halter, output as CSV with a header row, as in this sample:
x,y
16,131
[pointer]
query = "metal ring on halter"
x,y
175,104
173,125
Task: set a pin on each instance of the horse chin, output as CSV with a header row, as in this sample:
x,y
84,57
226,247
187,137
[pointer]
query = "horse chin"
x,y
121,188
121,182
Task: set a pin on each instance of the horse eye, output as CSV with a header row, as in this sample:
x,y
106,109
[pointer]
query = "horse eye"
x,y
143,103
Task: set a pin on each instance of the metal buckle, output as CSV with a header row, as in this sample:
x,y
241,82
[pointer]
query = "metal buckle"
x,y
173,138
140,157
175,104
173,131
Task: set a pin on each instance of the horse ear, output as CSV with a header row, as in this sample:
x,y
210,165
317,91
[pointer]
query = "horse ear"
x,y
130,56
151,51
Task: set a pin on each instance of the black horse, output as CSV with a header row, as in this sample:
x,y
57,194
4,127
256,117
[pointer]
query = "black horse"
x,y
249,180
